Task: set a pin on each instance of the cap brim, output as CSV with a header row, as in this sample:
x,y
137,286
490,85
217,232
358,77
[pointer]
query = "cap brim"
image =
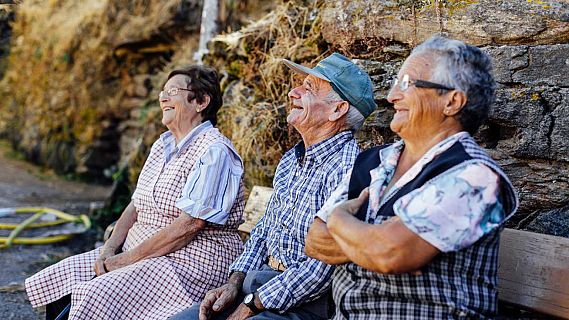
x,y
304,70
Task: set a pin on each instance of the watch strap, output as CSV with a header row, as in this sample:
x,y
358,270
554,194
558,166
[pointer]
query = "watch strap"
x,y
251,304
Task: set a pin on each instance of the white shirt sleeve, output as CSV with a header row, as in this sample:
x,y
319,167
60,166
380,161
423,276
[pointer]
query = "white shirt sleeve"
x,y
213,185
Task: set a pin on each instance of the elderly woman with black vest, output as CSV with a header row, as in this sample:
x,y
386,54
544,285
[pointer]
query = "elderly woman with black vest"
x,y
415,226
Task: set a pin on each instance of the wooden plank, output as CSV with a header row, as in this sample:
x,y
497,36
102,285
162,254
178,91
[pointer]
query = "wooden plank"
x,y
533,271
255,207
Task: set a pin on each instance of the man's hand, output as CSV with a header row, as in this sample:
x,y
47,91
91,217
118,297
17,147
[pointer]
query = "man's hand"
x,y
218,300
242,312
99,266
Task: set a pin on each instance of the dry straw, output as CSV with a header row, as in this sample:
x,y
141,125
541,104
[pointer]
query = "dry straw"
x,y
65,80
256,82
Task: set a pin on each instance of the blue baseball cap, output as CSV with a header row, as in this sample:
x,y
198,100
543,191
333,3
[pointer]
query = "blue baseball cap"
x,y
349,81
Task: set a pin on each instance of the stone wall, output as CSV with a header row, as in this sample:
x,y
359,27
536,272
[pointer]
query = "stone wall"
x,y
528,129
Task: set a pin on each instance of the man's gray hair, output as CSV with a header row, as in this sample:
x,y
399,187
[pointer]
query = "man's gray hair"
x,y
354,119
465,68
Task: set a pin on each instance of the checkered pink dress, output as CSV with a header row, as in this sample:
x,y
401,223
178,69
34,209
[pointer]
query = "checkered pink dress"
x,y
153,288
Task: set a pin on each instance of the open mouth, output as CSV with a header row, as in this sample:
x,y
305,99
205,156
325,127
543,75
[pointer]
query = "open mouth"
x,y
168,109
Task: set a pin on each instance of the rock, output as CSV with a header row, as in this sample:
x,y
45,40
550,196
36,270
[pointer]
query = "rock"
x,y
554,222
541,184
540,115
381,74
484,22
538,65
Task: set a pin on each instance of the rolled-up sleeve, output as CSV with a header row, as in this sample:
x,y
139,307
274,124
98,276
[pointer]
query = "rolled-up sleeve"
x,y
454,210
212,186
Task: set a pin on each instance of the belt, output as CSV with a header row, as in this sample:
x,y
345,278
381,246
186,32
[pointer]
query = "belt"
x,y
276,264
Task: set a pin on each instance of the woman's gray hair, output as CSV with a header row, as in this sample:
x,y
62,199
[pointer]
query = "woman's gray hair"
x,y
465,68
354,119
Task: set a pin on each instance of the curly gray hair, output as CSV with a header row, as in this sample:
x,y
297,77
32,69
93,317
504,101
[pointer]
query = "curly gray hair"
x,y
465,68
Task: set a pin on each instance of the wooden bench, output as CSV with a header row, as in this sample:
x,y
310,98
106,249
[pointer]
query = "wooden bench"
x,y
533,270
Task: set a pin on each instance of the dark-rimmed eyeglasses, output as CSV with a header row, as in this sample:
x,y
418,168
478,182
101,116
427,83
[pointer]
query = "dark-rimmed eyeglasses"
x,y
170,92
406,82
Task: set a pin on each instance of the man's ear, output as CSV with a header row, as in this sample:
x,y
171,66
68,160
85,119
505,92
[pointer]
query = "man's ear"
x,y
456,101
339,111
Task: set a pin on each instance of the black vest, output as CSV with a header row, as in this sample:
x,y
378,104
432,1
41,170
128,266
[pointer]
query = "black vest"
x,y
369,159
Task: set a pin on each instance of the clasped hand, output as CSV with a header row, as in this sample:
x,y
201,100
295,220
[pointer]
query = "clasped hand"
x,y
109,261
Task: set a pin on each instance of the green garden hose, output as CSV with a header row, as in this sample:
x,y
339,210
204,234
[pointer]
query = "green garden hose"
x,y
29,223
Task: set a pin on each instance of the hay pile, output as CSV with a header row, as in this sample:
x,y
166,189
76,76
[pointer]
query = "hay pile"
x,y
256,82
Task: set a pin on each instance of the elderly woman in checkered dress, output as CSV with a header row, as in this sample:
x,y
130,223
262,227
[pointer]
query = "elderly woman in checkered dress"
x,y
177,237
419,237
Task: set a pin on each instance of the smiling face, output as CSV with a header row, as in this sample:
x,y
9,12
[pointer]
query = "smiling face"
x,y
177,112
309,110
418,111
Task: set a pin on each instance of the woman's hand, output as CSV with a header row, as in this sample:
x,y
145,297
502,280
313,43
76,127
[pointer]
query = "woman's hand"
x,y
117,261
350,207
99,266
110,248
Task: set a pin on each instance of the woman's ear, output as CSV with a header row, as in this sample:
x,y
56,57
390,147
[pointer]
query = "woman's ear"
x,y
204,104
340,110
456,101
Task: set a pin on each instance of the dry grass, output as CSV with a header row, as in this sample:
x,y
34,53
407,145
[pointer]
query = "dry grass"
x,y
257,82
63,78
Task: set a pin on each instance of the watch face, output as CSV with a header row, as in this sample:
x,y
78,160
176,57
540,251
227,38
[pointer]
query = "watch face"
x,y
248,298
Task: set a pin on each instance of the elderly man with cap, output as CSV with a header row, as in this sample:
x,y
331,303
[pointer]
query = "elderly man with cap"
x,y
273,278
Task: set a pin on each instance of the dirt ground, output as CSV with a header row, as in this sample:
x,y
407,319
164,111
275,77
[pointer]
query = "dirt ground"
x,y
22,184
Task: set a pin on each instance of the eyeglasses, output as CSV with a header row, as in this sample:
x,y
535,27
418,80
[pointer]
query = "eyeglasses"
x,y
170,92
406,82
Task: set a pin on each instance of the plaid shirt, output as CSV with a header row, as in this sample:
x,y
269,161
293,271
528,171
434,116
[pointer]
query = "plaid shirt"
x,y
459,284
303,181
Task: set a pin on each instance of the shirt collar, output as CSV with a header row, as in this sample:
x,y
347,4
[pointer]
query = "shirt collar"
x,y
389,156
169,140
320,151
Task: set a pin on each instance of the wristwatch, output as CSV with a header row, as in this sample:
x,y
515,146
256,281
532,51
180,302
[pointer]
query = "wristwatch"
x,y
249,301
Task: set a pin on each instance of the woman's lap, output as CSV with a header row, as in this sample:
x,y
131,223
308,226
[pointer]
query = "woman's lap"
x,y
132,291
59,279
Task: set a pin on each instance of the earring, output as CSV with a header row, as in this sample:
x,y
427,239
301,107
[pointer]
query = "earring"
x,y
198,110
